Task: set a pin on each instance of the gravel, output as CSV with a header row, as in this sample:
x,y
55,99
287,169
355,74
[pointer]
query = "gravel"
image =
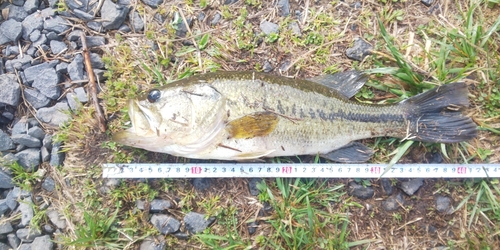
x,y
196,223
411,187
443,204
360,50
360,191
29,159
5,180
6,142
269,27
11,93
114,14
55,115
393,203
11,30
165,224
26,140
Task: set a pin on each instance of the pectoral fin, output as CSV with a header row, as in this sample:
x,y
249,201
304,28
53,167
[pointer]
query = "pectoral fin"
x,y
347,83
254,125
353,152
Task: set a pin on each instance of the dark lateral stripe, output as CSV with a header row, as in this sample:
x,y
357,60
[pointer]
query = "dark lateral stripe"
x,y
341,115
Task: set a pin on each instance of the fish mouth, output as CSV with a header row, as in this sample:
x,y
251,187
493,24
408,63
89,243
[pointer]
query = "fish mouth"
x,y
143,120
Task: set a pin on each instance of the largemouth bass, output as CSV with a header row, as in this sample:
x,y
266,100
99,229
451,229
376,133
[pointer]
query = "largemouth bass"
x,y
248,115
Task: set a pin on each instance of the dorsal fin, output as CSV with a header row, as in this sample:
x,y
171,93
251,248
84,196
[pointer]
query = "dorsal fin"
x,y
347,83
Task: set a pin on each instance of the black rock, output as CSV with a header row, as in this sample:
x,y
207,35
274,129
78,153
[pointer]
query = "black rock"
x,y
267,67
230,2
55,115
153,243
48,184
360,191
387,186
5,142
165,224
11,29
114,14
443,204
29,159
360,50
196,223
393,203
411,186
56,24
35,98
181,236
11,92
201,184
153,3
252,186
26,140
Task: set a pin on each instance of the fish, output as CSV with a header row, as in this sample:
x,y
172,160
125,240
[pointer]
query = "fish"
x,y
241,116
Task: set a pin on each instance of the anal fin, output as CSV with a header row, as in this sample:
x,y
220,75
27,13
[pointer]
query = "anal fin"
x,y
353,152
252,155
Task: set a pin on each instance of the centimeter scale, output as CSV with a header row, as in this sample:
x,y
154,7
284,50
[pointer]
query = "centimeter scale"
x,y
302,170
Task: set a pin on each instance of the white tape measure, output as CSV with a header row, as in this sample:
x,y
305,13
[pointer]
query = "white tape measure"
x,y
302,170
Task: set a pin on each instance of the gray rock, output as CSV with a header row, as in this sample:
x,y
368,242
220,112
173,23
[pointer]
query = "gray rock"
x,y
196,223
443,204
156,205
96,61
48,184
11,29
17,2
11,92
73,102
26,210
3,207
95,41
360,191
113,14
201,184
252,186
12,50
6,228
74,35
75,68
42,243
83,15
96,26
393,203
18,64
99,74
136,21
165,224
227,2
153,243
34,72
18,193
36,132
5,180
26,140
55,115
21,126
47,82
62,68
387,186
4,246
17,13
56,219
216,19
31,23
57,47
360,50
31,6
56,24
153,3
35,35
13,240
5,142
44,152
35,98
267,67
411,186
48,229
268,27
3,38
75,4
294,26
29,159
124,28
28,234
81,95
427,2
283,7
42,41
252,227
56,155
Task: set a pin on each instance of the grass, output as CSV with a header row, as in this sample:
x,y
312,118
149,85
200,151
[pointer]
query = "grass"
x,y
413,52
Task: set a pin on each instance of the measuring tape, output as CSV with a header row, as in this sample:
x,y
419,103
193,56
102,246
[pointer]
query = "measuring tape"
x,y
302,170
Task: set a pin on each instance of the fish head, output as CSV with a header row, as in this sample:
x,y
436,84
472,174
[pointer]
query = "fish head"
x,y
164,120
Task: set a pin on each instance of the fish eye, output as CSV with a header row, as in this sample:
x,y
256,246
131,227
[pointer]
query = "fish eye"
x,y
154,95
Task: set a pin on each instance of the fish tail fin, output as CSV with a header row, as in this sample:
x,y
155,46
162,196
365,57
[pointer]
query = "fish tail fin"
x,y
436,115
